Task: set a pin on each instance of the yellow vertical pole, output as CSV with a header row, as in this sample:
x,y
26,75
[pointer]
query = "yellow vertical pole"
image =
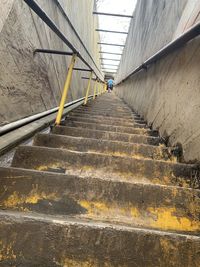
x,y
95,88
88,89
99,89
105,87
102,88
65,90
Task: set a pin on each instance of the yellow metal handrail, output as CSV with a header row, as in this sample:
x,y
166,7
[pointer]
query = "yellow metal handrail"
x,y
65,90
105,87
88,88
95,88
99,88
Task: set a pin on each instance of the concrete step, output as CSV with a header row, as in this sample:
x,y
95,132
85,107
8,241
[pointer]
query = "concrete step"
x,y
100,193
105,166
100,102
128,123
110,128
102,146
108,118
41,240
116,118
107,105
103,114
164,208
105,135
105,111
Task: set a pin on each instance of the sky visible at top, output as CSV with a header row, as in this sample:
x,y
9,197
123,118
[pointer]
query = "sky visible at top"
x,y
115,24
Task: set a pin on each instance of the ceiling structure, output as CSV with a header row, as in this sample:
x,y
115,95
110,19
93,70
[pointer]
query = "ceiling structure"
x,y
114,20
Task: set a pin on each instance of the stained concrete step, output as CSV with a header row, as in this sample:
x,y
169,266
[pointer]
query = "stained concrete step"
x,y
41,240
137,205
99,117
108,113
105,135
104,103
124,218
98,105
106,110
117,119
104,114
100,102
114,116
105,166
102,146
108,121
110,128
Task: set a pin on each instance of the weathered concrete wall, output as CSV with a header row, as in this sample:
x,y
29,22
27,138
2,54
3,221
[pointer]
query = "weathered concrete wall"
x,y
31,84
152,27
168,93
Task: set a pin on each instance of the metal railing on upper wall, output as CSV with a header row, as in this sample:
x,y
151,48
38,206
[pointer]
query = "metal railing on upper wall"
x,y
171,47
75,53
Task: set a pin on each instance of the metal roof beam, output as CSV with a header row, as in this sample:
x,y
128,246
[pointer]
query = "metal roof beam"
x,y
109,59
121,45
110,53
108,31
103,64
112,15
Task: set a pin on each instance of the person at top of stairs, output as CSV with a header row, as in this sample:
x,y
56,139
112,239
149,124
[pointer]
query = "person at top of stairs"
x,y
110,84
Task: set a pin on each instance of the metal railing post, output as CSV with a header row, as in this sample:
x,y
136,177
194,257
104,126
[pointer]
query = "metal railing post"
x,y
65,90
99,88
102,88
105,87
88,88
95,88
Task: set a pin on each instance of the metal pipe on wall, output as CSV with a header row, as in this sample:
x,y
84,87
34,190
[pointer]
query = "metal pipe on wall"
x,y
16,124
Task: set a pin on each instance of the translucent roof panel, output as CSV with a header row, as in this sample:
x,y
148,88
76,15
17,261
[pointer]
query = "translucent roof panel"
x,y
106,61
111,23
104,55
112,49
114,23
116,6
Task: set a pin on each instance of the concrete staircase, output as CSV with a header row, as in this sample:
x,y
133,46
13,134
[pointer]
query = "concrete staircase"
x,y
99,190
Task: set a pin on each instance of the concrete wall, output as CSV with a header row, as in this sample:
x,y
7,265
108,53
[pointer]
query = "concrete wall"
x,y
167,95
31,84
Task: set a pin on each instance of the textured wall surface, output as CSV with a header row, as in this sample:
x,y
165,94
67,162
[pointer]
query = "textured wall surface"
x,y
153,25
167,95
31,84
